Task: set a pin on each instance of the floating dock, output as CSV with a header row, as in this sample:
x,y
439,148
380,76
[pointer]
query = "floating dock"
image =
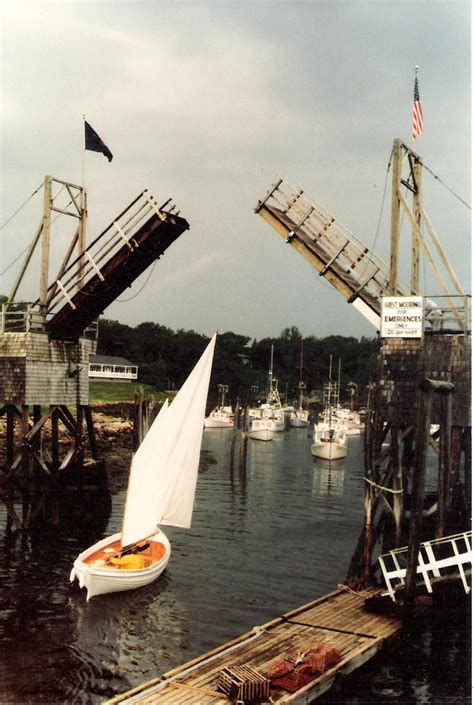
x,y
338,620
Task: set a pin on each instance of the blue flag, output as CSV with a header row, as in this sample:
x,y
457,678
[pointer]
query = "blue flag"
x,y
94,143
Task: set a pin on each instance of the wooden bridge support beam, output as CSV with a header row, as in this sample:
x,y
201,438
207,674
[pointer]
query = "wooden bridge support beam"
x,y
32,458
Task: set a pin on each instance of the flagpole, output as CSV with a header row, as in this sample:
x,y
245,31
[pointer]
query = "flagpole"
x,y
83,160
83,228
413,138
417,116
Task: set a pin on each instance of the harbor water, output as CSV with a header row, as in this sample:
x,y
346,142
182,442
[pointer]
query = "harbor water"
x,y
264,540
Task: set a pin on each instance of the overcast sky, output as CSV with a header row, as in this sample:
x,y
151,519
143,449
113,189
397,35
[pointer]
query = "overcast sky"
x,y
209,103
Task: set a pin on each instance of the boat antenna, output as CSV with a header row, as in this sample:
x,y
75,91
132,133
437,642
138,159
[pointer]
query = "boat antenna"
x,y
338,383
301,376
330,391
301,362
270,372
330,380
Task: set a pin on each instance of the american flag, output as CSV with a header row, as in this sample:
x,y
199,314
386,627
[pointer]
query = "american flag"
x,y
417,127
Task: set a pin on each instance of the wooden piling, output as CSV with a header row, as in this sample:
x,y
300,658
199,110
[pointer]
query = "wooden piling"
x,y
397,474
418,489
444,465
91,432
138,418
428,388
244,440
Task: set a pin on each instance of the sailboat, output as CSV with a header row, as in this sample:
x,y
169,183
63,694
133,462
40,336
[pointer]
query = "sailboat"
x,y
161,488
329,438
299,417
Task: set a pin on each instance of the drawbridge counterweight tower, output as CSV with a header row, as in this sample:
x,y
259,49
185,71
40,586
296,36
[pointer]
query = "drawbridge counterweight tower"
x,y
45,344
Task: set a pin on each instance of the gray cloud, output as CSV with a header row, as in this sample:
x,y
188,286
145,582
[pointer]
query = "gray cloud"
x,y
209,102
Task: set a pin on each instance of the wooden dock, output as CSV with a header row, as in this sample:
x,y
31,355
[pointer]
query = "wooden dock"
x,y
338,619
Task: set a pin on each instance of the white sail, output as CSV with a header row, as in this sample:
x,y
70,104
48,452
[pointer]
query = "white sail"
x,y
164,469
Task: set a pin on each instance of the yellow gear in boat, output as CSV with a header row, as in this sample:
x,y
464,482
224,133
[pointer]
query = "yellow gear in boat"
x,y
130,562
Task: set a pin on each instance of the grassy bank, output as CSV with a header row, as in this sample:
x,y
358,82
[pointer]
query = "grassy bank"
x,y
120,391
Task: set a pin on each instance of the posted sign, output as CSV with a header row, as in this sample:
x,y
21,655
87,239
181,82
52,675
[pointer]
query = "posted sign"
x,y
402,317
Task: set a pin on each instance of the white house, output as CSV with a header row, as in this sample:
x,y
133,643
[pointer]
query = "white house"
x,y
108,368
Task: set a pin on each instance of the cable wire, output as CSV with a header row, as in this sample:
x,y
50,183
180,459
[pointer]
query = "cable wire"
x,y
22,206
123,301
446,187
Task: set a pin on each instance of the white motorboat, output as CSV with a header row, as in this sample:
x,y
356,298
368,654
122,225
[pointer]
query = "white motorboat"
x,y
300,418
274,415
329,438
350,419
329,444
161,490
260,429
222,416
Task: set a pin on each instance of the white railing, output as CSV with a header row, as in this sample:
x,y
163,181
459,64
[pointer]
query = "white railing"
x,y
114,373
447,557
27,318
21,318
448,313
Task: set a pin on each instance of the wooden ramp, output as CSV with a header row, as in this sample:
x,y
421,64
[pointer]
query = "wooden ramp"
x,y
338,620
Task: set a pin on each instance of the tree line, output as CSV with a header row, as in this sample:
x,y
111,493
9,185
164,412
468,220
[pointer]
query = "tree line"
x,y
165,357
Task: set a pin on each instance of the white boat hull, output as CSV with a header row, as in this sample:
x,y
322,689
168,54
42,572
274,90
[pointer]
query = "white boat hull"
x,y
260,430
329,450
276,425
220,417
92,571
262,434
218,423
299,423
352,431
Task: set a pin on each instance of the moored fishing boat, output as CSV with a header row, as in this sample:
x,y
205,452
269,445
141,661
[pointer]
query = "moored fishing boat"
x,y
221,416
271,412
329,444
260,429
329,438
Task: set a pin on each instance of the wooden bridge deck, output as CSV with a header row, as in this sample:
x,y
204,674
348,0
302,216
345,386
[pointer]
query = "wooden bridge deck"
x,y
338,619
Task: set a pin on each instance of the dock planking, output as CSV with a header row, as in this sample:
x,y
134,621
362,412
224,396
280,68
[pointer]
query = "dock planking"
x,y
338,619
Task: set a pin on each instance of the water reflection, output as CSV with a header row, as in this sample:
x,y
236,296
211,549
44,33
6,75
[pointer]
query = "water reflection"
x,y
328,477
265,538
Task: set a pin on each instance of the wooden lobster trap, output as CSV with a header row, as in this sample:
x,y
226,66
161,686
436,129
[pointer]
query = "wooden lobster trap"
x,y
243,684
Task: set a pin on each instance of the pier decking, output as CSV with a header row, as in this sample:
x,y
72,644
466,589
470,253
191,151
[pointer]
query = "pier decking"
x,y
338,619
